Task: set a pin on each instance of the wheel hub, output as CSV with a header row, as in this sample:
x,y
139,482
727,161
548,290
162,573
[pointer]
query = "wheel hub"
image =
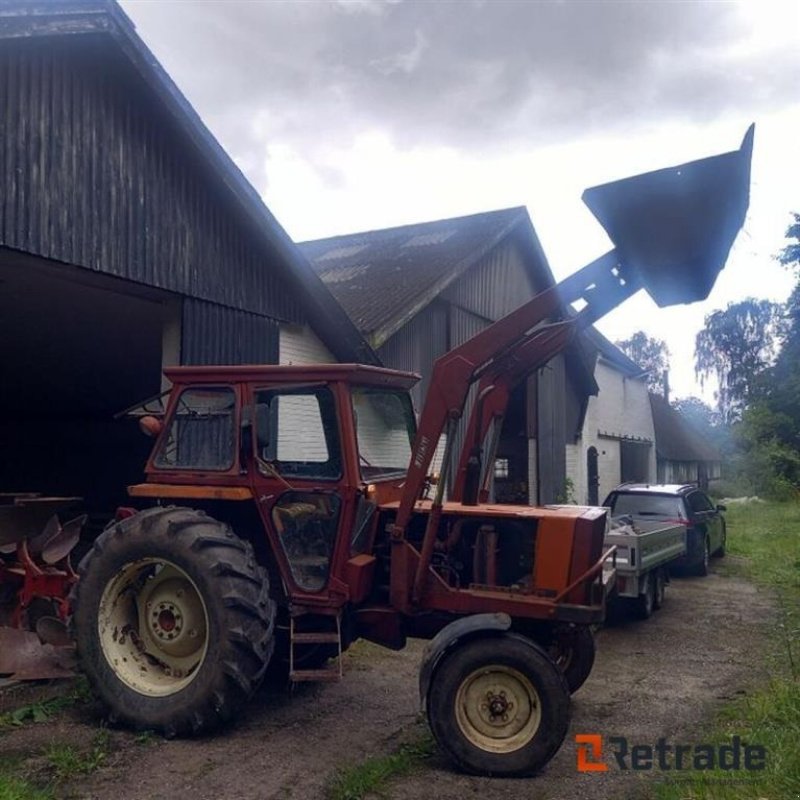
x,y
498,709
153,627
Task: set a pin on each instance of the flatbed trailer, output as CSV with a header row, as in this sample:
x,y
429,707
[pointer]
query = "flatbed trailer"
x,y
643,551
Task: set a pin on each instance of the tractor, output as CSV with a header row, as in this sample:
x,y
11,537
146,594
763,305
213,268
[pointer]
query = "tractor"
x,y
288,511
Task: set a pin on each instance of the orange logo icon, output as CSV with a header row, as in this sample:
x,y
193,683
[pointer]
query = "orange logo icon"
x,y
590,752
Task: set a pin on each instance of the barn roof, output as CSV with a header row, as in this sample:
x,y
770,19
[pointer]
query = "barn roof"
x,y
676,438
104,18
382,278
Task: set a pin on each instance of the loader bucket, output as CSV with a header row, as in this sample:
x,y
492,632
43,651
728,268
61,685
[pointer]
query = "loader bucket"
x,y
673,228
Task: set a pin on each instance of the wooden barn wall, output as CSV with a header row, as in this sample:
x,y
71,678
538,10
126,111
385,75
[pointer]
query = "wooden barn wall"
x,y
214,334
417,345
94,172
495,286
550,424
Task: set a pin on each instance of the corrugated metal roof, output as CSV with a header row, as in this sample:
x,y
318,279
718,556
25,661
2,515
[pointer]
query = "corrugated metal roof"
x,y
384,277
676,438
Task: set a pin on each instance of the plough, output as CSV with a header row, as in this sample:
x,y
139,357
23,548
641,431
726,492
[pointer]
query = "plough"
x,y
36,577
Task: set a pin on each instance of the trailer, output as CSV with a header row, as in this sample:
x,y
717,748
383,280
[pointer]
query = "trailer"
x,y
643,552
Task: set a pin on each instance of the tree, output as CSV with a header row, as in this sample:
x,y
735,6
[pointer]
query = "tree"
x,y
790,255
652,355
736,346
698,412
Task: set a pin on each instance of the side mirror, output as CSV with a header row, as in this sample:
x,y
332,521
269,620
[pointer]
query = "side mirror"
x,y
151,426
722,508
245,437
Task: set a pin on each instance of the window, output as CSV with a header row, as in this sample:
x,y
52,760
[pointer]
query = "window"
x,y
201,434
639,504
699,503
501,468
385,430
297,432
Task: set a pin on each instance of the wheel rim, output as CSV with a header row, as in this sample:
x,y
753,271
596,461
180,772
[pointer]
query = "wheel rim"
x,y
498,709
153,627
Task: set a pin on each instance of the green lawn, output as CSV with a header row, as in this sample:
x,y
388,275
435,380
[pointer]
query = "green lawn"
x,y
764,542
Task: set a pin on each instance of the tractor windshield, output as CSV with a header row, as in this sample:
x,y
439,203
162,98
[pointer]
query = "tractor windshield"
x,y
385,428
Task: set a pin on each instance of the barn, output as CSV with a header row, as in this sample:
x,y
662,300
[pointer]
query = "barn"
x,y
129,240
416,291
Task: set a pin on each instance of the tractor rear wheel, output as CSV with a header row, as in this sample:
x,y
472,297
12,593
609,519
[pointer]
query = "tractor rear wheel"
x,y
173,621
499,705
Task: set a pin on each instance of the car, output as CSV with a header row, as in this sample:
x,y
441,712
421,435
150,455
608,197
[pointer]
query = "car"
x,y
686,504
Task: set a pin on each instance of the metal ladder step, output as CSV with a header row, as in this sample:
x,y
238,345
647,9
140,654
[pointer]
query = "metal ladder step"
x,y
327,673
312,637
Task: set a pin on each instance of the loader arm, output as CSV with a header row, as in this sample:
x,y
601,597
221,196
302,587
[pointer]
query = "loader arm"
x,y
506,343
672,230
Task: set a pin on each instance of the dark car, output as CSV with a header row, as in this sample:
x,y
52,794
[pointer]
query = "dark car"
x,y
680,503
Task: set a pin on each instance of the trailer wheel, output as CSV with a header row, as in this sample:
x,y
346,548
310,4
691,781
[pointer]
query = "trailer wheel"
x,y
660,589
645,602
573,650
173,621
499,705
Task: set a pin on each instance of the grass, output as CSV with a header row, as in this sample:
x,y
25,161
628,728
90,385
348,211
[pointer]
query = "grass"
x,y
44,710
13,788
69,762
372,776
766,537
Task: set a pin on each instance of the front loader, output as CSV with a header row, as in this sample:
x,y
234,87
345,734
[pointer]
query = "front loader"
x,y
289,515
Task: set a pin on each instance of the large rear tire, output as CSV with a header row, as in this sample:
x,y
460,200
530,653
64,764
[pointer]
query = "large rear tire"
x,y
173,621
499,705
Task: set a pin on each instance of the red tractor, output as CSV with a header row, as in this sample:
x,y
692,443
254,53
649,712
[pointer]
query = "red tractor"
x,y
289,515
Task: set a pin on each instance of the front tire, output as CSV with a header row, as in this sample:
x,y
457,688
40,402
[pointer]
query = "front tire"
x,y
499,705
173,621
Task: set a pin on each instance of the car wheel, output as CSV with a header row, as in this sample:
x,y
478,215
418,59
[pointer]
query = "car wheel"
x,y
701,565
720,551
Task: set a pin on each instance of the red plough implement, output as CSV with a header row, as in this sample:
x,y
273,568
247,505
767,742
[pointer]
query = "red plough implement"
x,y
36,577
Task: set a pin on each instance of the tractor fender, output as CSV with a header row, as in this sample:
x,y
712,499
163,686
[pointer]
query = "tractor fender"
x,y
448,637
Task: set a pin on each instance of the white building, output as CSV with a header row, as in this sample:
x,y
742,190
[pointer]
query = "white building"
x,y
617,440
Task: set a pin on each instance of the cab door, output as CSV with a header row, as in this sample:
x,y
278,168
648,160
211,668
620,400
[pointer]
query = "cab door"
x,y
297,468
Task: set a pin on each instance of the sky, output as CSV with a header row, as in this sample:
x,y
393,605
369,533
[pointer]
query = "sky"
x,y
353,115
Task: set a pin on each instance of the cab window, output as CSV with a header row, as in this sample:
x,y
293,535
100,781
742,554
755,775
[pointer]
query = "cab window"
x,y
297,432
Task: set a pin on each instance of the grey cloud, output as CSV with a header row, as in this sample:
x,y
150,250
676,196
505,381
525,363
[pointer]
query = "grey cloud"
x,y
488,75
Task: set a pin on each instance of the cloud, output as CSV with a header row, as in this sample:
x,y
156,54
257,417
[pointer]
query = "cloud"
x,y
475,76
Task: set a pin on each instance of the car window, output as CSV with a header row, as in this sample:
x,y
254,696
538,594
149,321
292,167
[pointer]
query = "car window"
x,y
639,504
698,502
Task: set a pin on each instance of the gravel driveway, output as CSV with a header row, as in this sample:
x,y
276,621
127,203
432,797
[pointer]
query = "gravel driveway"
x,y
659,678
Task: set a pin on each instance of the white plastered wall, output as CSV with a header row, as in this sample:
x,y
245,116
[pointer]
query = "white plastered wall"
x,y
620,410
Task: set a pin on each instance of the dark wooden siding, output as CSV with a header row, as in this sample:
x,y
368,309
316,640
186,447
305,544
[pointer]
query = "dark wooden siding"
x,y
214,334
93,172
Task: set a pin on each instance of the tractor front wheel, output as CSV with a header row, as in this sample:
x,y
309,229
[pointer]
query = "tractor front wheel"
x,y
499,706
173,621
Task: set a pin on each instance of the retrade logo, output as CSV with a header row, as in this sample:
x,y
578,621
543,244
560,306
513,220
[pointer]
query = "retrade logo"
x,y
734,756
590,752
